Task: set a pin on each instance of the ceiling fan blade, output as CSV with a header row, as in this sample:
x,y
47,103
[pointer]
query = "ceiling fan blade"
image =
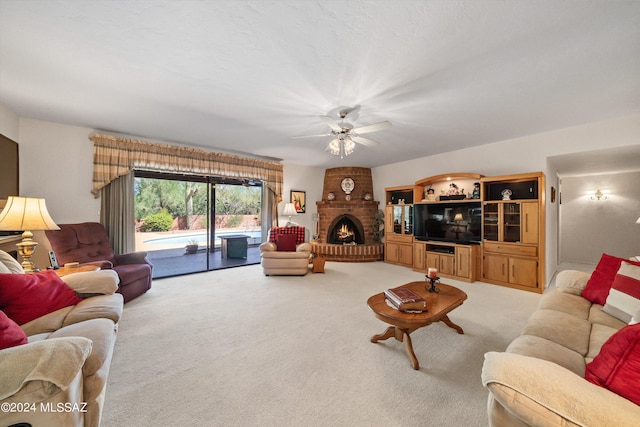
x,y
372,128
311,136
364,141
332,123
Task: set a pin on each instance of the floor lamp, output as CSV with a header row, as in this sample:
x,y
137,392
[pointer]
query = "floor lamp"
x,y
26,214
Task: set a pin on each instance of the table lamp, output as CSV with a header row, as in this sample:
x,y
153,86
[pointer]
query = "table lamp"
x,y
26,214
289,210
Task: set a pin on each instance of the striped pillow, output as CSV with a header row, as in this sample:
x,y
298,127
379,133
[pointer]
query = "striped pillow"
x,y
624,297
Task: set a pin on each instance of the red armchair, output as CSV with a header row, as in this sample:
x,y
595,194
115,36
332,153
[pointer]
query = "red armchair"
x,y
88,243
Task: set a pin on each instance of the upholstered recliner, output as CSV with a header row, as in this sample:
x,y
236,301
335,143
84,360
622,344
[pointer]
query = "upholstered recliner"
x,y
88,243
286,253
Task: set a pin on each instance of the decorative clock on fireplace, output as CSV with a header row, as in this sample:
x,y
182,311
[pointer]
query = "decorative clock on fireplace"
x,y
347,185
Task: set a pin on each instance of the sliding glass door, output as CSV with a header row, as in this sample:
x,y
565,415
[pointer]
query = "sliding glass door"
x,y
187,224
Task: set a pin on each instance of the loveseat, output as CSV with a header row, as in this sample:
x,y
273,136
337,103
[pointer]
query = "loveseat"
x,y
54,368
287,252
540,380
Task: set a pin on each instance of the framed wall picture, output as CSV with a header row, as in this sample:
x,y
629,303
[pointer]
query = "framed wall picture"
x,y
299,200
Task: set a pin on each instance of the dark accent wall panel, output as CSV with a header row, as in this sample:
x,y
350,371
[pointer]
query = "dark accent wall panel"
x,y
9,172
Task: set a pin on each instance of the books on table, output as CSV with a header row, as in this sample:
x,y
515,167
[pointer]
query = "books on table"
x,y
405,299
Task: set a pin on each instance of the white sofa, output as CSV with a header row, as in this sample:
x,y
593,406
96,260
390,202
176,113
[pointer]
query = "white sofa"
x,y
540,379
59,377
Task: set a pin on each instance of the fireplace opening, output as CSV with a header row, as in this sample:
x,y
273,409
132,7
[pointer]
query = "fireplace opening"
x,y
346,229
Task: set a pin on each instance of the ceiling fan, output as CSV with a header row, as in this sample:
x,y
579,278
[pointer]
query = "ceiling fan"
x,y
345,135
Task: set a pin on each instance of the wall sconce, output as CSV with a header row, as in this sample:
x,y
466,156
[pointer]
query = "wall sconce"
x,y
638,221
598,195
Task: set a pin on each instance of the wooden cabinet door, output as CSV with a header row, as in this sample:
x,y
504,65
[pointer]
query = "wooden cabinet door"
x,y
523,272
433,260
419,256
530,222
405,255
463,262
391,252
495,267
447,264
388,219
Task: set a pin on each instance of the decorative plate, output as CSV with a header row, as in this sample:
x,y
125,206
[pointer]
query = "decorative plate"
x,y
347,185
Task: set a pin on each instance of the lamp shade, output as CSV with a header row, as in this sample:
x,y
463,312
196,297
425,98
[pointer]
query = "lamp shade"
x,y
289,210
26,213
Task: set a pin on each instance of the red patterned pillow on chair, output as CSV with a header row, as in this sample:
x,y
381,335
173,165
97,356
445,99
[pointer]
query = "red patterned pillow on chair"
x,y
286,242
297,231
24,297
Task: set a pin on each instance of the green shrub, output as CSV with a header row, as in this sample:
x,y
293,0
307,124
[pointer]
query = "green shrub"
x,y
161,221
234,221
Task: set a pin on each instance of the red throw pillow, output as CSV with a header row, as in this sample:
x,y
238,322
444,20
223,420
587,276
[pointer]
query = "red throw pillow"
x,y
598,286
617,366
11,334
24,297
286,242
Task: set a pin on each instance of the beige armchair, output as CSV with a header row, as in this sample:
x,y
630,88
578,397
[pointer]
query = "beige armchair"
x,y
286,253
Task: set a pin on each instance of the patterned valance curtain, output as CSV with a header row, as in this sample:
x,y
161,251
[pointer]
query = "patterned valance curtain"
x,y
114,157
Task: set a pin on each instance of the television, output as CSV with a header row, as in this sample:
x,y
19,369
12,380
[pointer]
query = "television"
x,y
454,222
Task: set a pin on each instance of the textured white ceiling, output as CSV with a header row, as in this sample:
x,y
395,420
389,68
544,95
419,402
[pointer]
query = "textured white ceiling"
x,y
248,75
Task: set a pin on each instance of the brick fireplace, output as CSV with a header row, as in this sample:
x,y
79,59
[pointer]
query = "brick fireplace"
x,y
345,221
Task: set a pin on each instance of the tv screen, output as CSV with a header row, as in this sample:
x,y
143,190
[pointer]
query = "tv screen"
x,y
455,222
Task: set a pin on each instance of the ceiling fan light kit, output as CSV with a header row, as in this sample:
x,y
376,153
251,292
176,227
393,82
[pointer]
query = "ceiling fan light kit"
x,y
341,147
346,136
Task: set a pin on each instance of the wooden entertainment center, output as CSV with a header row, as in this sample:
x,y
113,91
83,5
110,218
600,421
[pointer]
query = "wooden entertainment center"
x,y
470,227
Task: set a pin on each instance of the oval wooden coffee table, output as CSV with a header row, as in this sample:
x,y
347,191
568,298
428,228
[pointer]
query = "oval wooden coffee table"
x,y
438,306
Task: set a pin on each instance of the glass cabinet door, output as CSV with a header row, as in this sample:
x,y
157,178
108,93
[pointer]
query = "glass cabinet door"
x,y
397,219
408,219
511,222
490,225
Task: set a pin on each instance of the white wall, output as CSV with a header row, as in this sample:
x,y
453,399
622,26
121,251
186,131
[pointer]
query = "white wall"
x,y
56,163
302,178
8,123
518,155
589,228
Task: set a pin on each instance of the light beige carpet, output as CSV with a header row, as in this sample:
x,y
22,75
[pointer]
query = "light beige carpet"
x,y
235,348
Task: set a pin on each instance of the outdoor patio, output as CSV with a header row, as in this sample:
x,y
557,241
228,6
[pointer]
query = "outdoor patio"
x,y
175,262
166,251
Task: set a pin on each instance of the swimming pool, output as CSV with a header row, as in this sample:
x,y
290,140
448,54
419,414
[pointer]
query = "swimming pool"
x,y
183,239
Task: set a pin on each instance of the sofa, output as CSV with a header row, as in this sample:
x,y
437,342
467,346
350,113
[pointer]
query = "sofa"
x,y
54,368
88,243
541,378
287,252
